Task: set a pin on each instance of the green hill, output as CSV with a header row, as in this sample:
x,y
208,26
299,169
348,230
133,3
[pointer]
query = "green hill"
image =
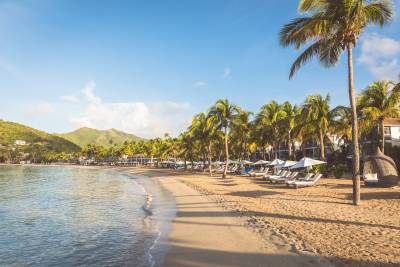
x,y
11,131
106,138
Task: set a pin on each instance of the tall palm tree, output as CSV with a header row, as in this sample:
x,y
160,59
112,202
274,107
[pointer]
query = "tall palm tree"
x,y
289,122
379,101
241,130
317,113
204,130
223,114
331,27
270,116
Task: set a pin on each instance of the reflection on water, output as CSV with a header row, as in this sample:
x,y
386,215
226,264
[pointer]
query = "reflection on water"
x,y
71,217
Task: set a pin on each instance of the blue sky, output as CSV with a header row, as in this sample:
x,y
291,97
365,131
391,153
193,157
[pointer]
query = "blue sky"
x,y
147,67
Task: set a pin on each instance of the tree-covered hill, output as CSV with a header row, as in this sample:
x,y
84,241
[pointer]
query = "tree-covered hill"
x,y
10,132
106,138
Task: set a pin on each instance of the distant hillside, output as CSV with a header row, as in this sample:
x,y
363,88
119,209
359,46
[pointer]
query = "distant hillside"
x,y
11,131
106,138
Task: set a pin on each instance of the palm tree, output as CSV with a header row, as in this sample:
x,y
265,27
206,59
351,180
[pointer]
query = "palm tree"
x,y
223,114
241,130
289,122
316,112
204,130
331,27
379,101
269,117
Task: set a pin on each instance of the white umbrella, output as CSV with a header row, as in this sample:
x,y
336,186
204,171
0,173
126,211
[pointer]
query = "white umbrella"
x,y
286,164
261,162
307,162
276,162
232,161
244,162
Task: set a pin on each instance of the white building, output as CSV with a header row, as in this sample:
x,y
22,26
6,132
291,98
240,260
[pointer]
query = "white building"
x,y
392,131
20,142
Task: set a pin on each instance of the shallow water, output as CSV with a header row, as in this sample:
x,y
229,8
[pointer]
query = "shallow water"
x,y
72,217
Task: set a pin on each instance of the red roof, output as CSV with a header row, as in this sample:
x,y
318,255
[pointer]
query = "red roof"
x,y
391,122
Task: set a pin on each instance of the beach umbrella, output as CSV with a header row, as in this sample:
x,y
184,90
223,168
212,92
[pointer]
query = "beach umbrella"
x,y
307,162
261,162
276,162
245,162
286,164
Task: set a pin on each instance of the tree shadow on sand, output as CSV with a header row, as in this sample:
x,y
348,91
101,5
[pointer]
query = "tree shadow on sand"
x,y
181,254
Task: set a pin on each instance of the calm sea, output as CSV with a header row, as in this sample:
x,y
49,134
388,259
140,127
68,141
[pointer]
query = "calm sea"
x,y
55,216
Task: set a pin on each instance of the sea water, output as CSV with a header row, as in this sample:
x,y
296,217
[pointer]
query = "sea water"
x,y
58,216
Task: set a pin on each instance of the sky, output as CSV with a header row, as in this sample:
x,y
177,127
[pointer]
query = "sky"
x,y
146,67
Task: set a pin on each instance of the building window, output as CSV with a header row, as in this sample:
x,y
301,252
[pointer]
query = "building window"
x,y
386,130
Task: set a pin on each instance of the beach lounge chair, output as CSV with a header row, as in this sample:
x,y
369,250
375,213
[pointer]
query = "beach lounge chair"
x,y
233,169
260,172
247,170
220,169
256,171
288,177
280,173
371,178
310,182
305,178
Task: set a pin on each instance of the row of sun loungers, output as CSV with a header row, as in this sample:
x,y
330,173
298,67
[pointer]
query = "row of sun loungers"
x,y
291,179
287,177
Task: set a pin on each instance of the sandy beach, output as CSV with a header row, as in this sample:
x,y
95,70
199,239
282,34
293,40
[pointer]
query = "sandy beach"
x,y
242,221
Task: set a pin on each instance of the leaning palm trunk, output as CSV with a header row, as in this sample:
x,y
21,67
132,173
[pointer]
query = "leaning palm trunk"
x,y
382,136
356,152
322,146
226,153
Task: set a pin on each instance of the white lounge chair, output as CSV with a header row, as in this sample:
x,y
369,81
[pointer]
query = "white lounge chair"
x,y
261,172
311,182
371,178
280,173
256,171
287,177
305,178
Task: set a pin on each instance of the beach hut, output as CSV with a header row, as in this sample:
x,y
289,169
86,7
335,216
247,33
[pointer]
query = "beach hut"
x,y
380,170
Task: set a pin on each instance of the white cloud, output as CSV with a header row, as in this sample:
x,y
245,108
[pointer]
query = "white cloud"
x,y
88,92
39,110
143,119
70,98
381,55
227,73
199,84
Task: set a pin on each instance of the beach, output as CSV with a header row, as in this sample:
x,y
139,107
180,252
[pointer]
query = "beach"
x,y
243,221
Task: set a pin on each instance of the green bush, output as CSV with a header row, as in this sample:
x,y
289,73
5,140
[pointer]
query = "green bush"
x,y
339,170
328,170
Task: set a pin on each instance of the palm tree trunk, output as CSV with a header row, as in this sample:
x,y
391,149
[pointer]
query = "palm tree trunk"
x,y
209,159
322,146
356,152
289,145
382,136
226,152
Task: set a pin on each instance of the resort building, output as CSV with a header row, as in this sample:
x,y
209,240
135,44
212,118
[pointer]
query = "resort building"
x,y
392,131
